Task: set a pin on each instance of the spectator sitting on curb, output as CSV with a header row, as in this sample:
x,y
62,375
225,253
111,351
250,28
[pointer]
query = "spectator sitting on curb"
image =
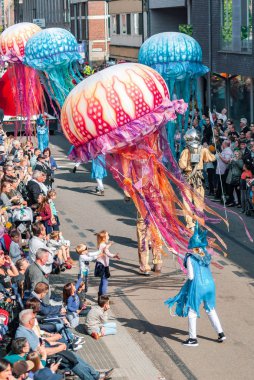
x,y
96,323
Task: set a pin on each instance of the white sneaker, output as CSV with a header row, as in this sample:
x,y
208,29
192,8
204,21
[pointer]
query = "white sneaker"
x,y
77,347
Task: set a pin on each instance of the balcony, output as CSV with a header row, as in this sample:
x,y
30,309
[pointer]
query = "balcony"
x,y
158,4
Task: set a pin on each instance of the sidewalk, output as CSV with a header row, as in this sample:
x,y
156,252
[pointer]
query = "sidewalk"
x,y
120,351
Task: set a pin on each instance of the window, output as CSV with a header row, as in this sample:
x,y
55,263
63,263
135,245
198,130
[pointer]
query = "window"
x,y
128,23
236,25
73,10
137,24
113,24
124,24
117,24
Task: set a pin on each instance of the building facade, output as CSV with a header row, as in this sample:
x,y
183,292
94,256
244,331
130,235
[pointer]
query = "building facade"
x,y
47,13
167,15
225,33
6,13
126,29
89,24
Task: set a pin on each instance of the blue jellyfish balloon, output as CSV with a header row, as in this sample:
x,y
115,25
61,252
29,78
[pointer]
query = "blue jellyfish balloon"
x,y
178,58
54,53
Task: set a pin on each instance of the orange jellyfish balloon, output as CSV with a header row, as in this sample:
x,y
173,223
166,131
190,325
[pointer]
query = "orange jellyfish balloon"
x,y
121,112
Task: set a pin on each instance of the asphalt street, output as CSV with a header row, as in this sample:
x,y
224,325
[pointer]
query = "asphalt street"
x,y
138,301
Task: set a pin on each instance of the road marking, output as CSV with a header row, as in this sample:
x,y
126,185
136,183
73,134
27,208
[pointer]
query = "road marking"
x,y
239,274
165,346
222,262
216,265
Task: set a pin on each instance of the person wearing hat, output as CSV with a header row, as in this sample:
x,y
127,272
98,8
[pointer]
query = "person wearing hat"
x,y
244,150
199,288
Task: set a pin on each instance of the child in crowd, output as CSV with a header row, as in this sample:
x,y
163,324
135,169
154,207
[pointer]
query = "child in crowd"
x,y
85,258
56,245
51,196
102,263
15,249
96,323
72,302
245,177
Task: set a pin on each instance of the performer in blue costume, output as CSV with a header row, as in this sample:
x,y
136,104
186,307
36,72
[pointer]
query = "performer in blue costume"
x,y
42,133
99,172
198,288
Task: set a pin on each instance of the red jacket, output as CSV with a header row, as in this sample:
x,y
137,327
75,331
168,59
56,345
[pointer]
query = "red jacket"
x,y
46,214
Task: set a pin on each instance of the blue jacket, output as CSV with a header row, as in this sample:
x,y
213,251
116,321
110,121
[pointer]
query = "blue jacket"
x,y
73,302
33,340
47,310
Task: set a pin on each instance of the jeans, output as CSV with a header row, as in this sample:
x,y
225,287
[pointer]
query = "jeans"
x,y
73,318
103,288
109,328
85,371
231,189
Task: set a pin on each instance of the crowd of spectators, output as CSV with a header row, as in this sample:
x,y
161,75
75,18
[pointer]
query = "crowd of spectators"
x,y
37,338
230,179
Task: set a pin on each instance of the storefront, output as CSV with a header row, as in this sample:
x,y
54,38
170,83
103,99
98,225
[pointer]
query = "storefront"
x,y
234,92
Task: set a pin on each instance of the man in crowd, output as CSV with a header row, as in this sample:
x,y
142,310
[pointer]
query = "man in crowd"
x,y
36,187
223,159
243,125
35,272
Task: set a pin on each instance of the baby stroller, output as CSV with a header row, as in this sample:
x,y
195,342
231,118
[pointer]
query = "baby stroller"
x,y
22,219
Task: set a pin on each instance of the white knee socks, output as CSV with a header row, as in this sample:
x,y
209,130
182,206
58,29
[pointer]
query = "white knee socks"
x,y
100,184
215,322
192,321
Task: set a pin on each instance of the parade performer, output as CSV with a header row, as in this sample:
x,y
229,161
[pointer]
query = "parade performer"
x,y
98,173
42,133
191,163
198,288
145,242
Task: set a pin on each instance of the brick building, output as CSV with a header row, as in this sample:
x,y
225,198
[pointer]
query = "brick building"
x,y
6,13
89,23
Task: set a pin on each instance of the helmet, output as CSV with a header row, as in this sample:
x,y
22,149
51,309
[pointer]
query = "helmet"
x,y
192,138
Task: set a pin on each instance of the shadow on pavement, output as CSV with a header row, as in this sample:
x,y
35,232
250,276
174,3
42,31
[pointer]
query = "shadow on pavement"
x,y
145,327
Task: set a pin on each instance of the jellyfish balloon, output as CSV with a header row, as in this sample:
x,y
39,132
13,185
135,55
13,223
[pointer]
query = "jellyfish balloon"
x,y
178,58
54,53
26,87
121,111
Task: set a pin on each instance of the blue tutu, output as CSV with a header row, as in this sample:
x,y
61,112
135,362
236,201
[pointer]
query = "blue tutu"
x,y
99,167
194,292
